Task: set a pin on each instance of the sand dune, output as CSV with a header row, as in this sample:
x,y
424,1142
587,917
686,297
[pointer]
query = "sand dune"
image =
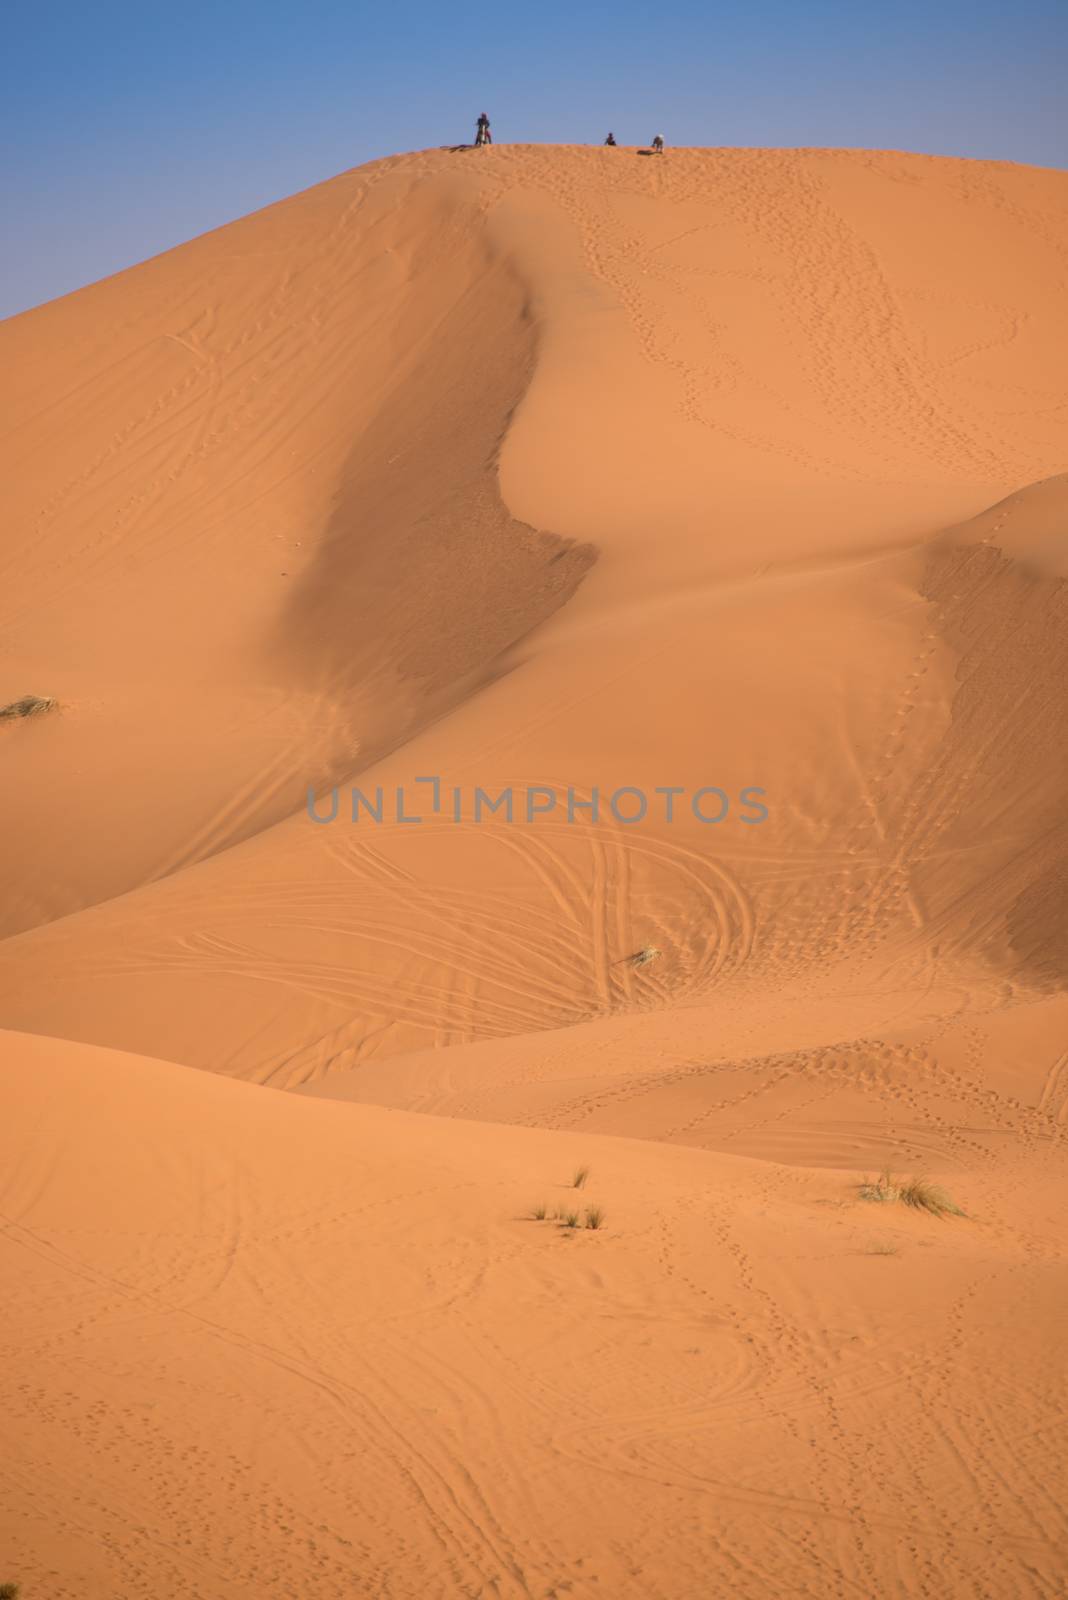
x,y
551,470
286,1346
909,864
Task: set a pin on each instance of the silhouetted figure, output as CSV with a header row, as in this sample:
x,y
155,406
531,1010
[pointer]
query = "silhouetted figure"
x,y
611,139
482,130
658,146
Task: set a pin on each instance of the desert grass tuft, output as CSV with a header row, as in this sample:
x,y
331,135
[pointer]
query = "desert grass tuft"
x,y
28,706
920,1193
647,953
570,1219
579,1179
927,1196
882,1191
9,1591
594,1217
540,1212
882,1247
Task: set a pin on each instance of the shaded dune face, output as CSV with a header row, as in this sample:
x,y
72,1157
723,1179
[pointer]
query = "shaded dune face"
x,y
422,578
999,601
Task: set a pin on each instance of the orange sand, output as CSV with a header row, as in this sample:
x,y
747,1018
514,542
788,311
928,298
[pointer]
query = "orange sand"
x,y
542,466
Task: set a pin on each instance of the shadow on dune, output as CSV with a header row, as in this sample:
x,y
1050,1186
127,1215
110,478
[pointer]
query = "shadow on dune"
x,y
423,579
997,795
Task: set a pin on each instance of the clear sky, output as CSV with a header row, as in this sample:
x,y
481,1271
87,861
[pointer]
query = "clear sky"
x,y
128,127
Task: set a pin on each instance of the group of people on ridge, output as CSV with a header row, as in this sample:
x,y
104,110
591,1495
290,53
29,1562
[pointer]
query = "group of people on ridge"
x,y
657,145
484,136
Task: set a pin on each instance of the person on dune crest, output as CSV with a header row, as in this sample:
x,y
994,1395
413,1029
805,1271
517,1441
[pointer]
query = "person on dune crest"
x,y
658,145
482,130
611,139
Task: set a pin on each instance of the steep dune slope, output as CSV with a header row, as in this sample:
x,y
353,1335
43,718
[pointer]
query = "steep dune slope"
x,y
999,789
267,1345
239,480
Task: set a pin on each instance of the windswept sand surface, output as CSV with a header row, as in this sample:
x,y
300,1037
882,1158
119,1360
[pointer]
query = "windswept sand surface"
x,y
559,468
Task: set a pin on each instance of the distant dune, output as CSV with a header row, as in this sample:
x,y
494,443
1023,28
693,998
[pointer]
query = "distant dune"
x,y
554,471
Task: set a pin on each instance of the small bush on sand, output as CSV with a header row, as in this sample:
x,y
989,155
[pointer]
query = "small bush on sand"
x,y
9,1591
579,1179
570,1219
540,1213
28,706
883,1191
927,1196
920,1193
594,1217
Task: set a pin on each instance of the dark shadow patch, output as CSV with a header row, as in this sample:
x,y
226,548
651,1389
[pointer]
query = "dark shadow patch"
x,y
998,788
424,583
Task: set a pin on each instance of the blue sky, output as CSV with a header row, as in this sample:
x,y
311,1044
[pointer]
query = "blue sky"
x,y
130,127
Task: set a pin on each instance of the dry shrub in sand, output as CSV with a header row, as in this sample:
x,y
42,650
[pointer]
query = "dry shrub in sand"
x,y
569,1219
919,1193
28,706
883,1191
540,1212
594,1217
579,1180
9,1591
